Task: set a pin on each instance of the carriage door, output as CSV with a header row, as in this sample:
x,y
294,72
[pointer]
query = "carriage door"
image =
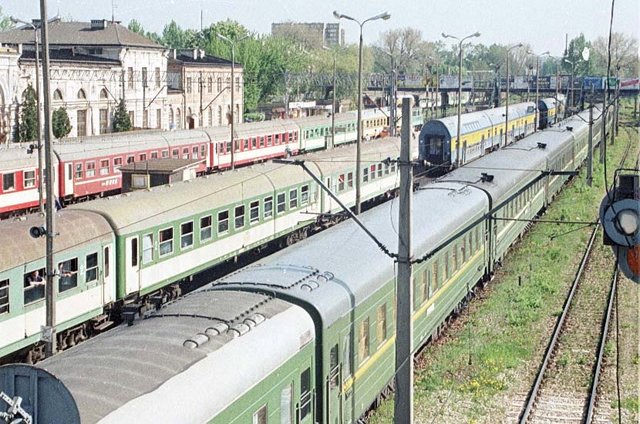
x,y
107,280
132,272
68,180
333,387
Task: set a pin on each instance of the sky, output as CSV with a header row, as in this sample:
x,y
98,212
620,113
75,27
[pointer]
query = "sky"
x,y
543,24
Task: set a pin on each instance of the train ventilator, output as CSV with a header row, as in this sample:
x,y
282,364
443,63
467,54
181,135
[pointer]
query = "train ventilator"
x,y
620,217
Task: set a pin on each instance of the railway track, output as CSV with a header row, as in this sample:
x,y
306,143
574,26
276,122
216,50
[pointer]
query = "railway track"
x,y
565,389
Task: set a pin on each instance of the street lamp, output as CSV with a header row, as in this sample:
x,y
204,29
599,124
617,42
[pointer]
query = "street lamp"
x,y
383,16
37,46
506,111
461,40
537,109
393,104
233,65
437,87
572,63
333,100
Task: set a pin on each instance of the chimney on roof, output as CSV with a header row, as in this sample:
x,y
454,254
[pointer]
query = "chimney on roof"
x,y
98,23
196,53
202,53
174,53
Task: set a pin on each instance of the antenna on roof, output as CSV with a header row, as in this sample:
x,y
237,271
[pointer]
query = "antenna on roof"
x,y
113,11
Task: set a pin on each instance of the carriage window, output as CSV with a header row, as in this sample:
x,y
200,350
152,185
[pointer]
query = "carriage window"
x,y
78,171
341,182
293,198
117,162
147,248
304,194
166,241
205,228
4,296
185,153
34,286
239,216
346,354
281,206
373,172
194,152
29,179
186,235
260,416
333,365
305,393
104,167
175,153
379,170
436,276
350,180
91,169
165,154
130,159
8,182
254,212
268,207
381,328
91,267
426,287
154,155
223,222
446,265
68,274
363,340
365,175
134,252
143,157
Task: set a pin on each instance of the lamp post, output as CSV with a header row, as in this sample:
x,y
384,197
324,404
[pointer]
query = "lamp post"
x,y
461,40
572,63
434,104
333,100
506,111
232,43
40,152
383,16
538,56
393,106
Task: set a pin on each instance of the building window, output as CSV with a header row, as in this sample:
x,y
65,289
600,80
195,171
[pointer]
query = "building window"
x,y
104,94
57,95
158,78
82,122
145,119
188,85
293,199
104,167
91,169
130,74
219,115
205,228
147,248
254,212
186,235
239,216
144,77
132,118
210,85
268,207
82,95
281,204
29,179
158,118
237,84
223,222
219,84
4,296
166,241
104,121
210,117
68,273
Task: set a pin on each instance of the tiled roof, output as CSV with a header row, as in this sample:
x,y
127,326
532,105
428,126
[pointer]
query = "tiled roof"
x,y
68,55
81,34
206,60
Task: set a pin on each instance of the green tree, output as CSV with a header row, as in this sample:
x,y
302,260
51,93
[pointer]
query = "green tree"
x,y
60,125
121,121
173,36
136,27
29,120
574,54
5,22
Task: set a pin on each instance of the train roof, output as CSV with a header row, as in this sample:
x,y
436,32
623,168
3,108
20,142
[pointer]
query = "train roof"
x,y
17,158
251,129
324,119
512,163
341,267
144,372
73,228
475,121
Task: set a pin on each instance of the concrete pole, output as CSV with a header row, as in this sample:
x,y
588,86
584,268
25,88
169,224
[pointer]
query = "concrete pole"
x,y
39,121
603,133
233,118
403,412
393,106
506,110
51,277
537,109
333,109
590,154
458,161
359,124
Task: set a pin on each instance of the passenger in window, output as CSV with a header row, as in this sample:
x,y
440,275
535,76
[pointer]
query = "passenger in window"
x,y
65,276
35,279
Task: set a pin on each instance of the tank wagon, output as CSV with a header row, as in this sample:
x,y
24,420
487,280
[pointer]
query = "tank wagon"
x,y
307,335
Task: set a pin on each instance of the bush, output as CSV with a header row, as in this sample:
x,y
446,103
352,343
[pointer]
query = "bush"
x,y
60,125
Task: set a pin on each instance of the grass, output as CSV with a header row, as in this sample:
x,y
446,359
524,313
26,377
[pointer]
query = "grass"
x,y
464,376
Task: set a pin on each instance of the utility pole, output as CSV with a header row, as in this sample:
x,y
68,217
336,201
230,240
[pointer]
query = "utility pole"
x,y
201,82
590,154
333,108
403,412
392,103
51,281
603,115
